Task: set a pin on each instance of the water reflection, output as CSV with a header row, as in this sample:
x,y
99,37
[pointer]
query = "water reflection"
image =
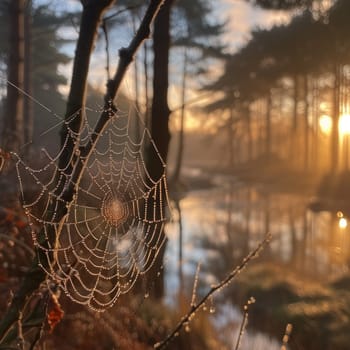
x,y
237,217
219,226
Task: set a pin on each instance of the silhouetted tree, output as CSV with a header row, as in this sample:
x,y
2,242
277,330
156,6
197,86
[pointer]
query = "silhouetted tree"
x,y
195,32
42,59
13,128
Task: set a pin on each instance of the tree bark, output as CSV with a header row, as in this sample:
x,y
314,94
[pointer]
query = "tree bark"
x,y
13,130
28,85
146,78
180,149
136,126
90,20
136,69
160,109
160,114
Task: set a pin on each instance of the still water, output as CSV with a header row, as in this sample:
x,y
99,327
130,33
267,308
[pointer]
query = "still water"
x,y
217,227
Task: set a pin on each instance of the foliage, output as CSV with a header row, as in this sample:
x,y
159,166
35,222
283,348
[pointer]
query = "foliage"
x,y
305,45
281,4
46,58
46,44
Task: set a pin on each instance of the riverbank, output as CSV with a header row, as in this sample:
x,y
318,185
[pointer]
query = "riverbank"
x,y
326,191
275,175
319,312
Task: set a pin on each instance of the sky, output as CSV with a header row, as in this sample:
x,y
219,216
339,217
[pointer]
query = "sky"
x,y
241,18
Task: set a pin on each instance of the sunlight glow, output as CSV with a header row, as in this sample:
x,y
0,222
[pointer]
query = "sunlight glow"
x,y
343,223
325,123
344,124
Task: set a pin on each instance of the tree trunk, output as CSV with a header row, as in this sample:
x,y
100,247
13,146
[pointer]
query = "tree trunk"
x,y
180,257
335,117
261,131
267,220
306,124
294,241
28,81
180,149
249,132
315,113
160,109
230,136
247,220
304,241
159,120
146,77
294,135
13,131
268,126
136,127
77,94
343,107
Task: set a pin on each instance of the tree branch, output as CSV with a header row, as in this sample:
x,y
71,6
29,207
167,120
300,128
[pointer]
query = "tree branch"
x,y
126,55
36,275
105,33
128,8
214,289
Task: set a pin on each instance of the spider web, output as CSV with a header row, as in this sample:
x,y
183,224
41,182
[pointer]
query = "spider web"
x,y
113,228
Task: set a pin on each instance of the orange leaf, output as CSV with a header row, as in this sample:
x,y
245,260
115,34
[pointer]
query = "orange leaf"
x,y
55,314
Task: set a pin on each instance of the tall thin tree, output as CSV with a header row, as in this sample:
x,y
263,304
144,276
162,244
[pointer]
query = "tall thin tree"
x,y
13,130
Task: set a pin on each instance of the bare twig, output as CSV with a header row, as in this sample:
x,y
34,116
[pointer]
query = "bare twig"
x,y
35,320
105,32
214,289
244,322
195,285
286,336
117,13
20,339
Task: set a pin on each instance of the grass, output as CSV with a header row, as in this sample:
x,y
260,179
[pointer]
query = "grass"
x,y
319,312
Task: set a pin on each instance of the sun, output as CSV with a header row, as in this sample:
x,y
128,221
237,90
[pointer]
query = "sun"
x,y
344,124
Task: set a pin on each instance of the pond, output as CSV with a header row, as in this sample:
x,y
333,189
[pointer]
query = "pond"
x,y
218,226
